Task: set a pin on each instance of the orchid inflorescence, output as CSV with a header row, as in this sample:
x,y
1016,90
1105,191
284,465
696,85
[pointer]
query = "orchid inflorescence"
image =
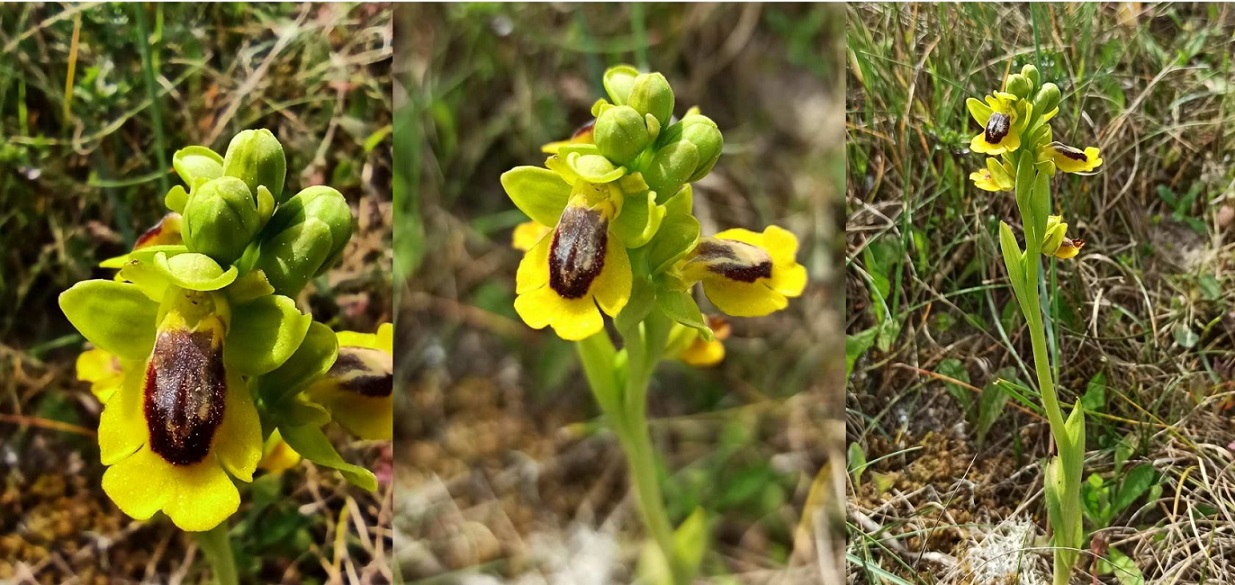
x,y
1023,157
613,232
204,363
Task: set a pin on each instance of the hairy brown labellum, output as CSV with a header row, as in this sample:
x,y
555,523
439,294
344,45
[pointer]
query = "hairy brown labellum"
x,y
997,127
734,260
577,254
185,391
364,371
1070,152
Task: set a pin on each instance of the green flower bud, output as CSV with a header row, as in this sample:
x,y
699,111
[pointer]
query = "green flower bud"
x,y
256,157
705,135
1047,99
673,164
305,237
650,94
618,81
220,219
1019,85
621,134
1031,73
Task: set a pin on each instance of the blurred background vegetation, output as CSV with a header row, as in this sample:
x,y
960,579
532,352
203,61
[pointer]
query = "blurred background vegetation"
x,y
94,99
505,471
946,480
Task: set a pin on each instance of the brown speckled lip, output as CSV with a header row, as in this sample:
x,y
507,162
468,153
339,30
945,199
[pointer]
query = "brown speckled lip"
x,y
577,252
363,371
1075,154
997,127
185,390
723,259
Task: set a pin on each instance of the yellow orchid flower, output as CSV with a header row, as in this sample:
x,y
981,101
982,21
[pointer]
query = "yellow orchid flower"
x,y
1055,243
1003,118
995,177
358,388
688,346
1069,159
747,274
277,455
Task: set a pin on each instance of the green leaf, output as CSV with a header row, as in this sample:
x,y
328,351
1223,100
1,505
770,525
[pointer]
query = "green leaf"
x,y
990,406
1012,260
856,345
955,369
176,198
312,444
1095,393
681,307
690,542
678,235
540,193
313,358
857,464
114,316
639,220
1138,481
264,334
1122,567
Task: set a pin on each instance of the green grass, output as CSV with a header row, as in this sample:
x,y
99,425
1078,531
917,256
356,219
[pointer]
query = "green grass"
x,y
1142,307
486,86
83,171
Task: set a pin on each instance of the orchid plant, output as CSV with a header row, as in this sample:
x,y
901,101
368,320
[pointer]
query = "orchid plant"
x,y
1022,157
206,366
613,232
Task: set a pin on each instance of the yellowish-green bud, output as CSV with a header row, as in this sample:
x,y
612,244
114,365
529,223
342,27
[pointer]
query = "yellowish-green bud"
x,y
220,219
1047,99
672,165
257,158
705,135
1055,230
306,236
621,134
618,80
650,94
1031,73
1019,85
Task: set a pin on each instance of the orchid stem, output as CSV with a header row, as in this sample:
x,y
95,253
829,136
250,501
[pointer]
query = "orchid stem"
x,y
217,546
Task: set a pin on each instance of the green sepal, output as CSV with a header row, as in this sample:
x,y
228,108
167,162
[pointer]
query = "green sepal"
x,y
194,164
682,202
250,287
264,334
539,193
594,168
677,236
639,220
299,412
312,444
978,109
176,198
582,148
681,307
312,359
617,81
114,316
194,271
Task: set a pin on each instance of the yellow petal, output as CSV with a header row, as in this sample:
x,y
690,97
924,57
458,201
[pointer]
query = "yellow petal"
x,y
781,244
122,426
368,417
703,353
571,319
534,268
277,455
386,338
743,299
202,496
238,440
742,235
612,286
788,280
139,485
528,234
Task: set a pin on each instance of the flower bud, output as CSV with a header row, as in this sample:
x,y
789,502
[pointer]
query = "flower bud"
x,y
1031,73
1047,99
650,94
621,134
305,237
673,164
705,135
618,81
220,219
1019,85
256,157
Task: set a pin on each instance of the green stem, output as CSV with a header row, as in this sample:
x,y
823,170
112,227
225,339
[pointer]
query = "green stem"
x,y
217,546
